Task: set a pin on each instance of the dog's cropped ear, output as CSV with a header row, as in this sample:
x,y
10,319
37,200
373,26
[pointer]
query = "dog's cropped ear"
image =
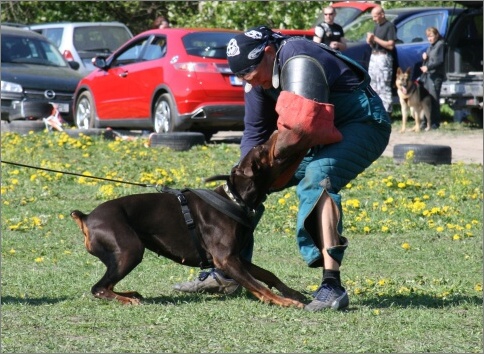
x,y
399,71
409,71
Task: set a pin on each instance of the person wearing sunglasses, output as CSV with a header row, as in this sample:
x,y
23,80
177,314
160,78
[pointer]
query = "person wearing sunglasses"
x,y
329,119
329,32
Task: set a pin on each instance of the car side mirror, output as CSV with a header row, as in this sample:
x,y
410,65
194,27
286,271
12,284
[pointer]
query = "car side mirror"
x,y
74,65
99,62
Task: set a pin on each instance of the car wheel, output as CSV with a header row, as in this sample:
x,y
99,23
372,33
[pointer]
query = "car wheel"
x,y
23,126
164,114
179,141
85,111
431,154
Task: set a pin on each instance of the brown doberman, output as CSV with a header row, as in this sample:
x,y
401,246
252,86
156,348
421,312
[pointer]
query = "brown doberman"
x,y
189,228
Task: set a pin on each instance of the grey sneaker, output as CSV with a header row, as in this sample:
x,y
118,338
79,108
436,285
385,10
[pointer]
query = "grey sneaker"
x,y
329,296
212,282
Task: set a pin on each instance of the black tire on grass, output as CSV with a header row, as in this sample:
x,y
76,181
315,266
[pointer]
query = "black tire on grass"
x,y
107,134
423,153
178,141
23,126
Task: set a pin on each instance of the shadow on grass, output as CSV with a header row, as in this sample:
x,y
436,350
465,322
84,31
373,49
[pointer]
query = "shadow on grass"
x,y
417,300
12,300
194,298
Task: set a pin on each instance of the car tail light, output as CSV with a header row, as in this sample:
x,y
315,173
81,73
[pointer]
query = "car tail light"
x,y
197,67
68,55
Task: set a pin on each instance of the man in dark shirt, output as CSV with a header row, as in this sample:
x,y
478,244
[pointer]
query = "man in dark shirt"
x,y
380,68
326,114
329,32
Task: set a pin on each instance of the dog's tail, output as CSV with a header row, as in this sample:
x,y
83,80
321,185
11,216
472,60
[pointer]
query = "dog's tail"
x,y
80,218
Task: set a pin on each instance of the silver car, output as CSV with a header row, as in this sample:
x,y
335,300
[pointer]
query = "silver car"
x,y
81,41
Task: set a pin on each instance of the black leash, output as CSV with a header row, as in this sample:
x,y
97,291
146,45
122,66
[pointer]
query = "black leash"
x,y
78,174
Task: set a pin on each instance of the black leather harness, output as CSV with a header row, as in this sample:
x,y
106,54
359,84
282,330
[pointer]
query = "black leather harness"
x,y
236,211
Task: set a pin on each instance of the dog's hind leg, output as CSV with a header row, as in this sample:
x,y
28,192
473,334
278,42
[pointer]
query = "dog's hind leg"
x,y
120,255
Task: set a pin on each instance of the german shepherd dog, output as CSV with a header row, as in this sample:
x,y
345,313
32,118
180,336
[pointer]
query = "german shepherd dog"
x,y
414,99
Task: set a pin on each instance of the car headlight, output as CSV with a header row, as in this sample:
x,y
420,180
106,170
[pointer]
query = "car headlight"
x,y
11,87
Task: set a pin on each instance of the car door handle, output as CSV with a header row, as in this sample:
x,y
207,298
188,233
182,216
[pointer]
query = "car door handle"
x,y
124,74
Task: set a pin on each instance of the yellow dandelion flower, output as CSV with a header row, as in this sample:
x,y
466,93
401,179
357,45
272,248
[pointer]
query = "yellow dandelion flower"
x,y
12,251
282,201
406,246
39,259
439,229
67,252
404,290
478,287
401,185
382,282
409,155
60,216
312,287
366,229
376,312
456,237
384,228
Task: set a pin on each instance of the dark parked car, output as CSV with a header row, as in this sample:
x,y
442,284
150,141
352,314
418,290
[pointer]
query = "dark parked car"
x,y
34,76
167,80
411,24
462,89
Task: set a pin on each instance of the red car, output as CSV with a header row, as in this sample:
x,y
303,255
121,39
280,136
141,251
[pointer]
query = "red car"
x,y
166,80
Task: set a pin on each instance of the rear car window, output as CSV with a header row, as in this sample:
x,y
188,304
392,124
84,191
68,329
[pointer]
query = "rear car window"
x,y
207,44
54,35
100,38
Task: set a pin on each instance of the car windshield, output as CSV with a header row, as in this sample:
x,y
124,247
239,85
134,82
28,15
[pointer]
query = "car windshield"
x,y
208,44
356,30
30,50
100,38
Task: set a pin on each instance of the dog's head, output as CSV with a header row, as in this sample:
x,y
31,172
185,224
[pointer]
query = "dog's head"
x,y
258,172
403,79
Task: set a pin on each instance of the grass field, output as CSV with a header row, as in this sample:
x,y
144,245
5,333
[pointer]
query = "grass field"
x,y
413,268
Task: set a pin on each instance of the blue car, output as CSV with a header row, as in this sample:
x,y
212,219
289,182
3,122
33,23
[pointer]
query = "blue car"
x,y
411,24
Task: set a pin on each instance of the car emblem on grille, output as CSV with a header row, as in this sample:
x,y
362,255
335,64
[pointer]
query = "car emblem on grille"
x,y
49,94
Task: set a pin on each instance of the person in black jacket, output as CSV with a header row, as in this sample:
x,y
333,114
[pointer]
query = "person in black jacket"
x,y
433,72
329,32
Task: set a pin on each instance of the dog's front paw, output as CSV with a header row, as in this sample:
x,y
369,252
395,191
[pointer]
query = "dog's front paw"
x,y
294,295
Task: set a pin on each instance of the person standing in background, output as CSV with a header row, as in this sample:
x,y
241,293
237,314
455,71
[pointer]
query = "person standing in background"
x,y
433,72
160,22
329,32
382,43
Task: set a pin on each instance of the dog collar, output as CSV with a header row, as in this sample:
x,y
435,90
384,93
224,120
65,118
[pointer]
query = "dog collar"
x,y
233,197
237,201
